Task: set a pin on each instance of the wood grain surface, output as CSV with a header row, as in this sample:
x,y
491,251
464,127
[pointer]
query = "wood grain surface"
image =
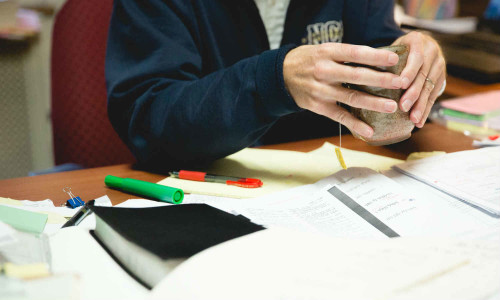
x,y
456,87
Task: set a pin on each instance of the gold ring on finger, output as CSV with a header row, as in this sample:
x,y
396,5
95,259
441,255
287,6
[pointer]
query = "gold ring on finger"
x,y
429,81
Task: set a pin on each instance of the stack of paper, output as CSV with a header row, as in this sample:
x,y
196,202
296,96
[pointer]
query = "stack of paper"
x,y
479,113
472,176
478,107
357,202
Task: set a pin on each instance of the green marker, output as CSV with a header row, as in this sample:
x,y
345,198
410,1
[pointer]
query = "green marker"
x,y
147,189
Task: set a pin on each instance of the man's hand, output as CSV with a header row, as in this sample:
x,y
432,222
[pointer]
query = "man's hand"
x,y
314,75
423,76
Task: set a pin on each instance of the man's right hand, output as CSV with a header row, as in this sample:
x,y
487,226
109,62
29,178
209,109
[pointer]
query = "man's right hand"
x,y
314,75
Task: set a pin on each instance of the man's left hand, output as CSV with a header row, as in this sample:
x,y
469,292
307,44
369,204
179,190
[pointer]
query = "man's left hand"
x,y
423,76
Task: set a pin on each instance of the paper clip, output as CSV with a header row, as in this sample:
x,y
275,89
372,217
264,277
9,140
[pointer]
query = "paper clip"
x,y
73,201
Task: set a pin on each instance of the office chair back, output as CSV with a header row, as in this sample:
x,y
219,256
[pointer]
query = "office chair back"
x,y
82,131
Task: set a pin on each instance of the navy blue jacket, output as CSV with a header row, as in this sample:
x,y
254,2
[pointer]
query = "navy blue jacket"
x,y
191,81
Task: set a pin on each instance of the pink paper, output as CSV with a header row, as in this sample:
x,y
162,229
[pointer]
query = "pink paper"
x,y
477,104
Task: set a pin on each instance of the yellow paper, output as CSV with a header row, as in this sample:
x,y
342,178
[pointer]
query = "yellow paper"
x,y
340,158
9,201
28,271
278,170
54,218
420,155
463,127
356,158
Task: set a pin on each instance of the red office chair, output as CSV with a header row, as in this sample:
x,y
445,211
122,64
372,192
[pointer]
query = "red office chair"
x,y
82,131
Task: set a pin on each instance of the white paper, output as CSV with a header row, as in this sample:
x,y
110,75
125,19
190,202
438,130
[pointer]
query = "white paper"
x,y
491,233
7,234
28,248
284,264
103,201
314,208
42,203
319,212
60,287
141,203
442,202
479,279
473,176
76,251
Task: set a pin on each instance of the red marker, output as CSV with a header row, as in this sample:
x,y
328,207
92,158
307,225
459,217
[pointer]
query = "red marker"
x,y
202,176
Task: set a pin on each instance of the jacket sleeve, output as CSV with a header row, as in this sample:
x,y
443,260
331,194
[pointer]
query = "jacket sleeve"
x,y
166,111
370,22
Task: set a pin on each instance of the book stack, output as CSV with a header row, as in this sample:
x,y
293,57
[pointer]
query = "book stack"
x,y
478,114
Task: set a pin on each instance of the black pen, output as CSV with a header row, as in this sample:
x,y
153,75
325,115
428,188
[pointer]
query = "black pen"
x,y
80,215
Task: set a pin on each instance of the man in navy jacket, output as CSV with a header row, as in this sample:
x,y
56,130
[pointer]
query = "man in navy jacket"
x,y
193,81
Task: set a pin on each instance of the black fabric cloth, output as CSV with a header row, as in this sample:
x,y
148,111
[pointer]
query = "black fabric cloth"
x,y
192,81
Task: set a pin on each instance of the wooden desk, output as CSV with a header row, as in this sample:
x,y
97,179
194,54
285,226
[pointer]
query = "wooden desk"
x,y
456,87
89,183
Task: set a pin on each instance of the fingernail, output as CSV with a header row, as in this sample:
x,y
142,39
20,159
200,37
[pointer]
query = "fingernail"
x,y
417,116
393,59
396,82
407,105
390,106
405,82
366,131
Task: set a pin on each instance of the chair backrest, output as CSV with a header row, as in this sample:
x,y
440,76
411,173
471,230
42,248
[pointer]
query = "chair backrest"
x,y
82,131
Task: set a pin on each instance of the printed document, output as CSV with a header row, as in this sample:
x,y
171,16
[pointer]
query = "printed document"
x,y
472,176
359,202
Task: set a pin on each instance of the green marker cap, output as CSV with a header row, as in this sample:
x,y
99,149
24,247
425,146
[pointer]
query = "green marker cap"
x,y
146,189
113,181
